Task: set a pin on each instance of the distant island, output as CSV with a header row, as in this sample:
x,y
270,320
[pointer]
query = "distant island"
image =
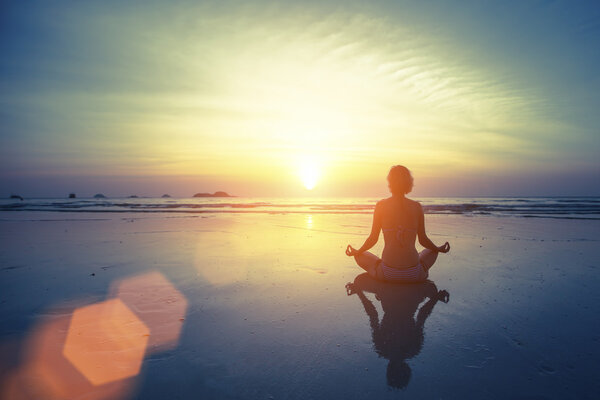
x,y
215,194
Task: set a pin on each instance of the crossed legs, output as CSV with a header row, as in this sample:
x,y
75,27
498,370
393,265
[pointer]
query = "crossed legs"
x,y
427,258
369,261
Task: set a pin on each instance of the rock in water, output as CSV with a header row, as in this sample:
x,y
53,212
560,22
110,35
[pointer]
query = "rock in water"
x,y
216,194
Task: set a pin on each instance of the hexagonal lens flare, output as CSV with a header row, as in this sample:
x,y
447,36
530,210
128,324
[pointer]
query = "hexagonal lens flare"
x,y
45,373
158,304
91,352
106,342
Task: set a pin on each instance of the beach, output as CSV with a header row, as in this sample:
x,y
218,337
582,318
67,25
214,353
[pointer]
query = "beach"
x,y
182,183
255,306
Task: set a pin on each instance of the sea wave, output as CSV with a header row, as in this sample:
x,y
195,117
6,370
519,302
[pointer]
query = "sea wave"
x,y
547,207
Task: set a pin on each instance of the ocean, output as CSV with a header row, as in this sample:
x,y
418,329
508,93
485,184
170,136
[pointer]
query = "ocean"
x,y
528,207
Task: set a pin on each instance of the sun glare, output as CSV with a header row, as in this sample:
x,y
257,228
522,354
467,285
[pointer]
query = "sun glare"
x,y
309,173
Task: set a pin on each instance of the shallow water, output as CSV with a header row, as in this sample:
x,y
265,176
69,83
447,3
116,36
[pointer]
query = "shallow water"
x,y
256,306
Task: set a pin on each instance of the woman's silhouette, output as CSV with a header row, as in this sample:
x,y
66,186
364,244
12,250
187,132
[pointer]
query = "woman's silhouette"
x,y
401,221
399,336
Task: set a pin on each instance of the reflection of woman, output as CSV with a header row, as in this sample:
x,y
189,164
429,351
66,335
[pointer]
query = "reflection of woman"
x,y
399,335
401,221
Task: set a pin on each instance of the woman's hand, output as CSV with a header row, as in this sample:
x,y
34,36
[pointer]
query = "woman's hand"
x,y
350,289
444,248
443,296
351,251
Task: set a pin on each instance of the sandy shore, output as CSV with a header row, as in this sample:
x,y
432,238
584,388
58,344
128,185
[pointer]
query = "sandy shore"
x,y
255,306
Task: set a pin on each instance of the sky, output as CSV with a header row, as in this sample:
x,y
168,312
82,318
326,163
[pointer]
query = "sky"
x,y
264,98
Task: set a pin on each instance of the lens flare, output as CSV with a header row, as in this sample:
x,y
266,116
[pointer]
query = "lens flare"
x,y
106,342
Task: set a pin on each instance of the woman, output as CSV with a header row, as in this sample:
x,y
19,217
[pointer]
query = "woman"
x,y
401,221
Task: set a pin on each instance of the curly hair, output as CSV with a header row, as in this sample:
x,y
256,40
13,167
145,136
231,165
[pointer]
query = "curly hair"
x,y
400,180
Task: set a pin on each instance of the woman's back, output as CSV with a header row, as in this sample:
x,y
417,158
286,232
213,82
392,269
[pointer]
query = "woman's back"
x,y
399,223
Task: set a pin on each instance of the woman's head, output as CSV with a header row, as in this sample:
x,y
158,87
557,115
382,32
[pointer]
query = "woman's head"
x,y
398,374
400,181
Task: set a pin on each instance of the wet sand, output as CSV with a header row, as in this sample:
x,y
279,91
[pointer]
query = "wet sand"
x,y
255,306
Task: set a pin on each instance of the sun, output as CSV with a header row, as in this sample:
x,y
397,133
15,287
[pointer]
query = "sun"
x,y
309,173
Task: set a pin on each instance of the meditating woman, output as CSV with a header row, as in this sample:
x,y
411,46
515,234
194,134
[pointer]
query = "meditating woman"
x,y
401,221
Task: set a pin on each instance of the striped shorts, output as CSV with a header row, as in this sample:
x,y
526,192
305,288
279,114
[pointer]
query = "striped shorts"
x,y
401,275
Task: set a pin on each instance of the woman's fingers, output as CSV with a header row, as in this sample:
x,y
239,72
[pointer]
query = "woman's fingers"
x,y
349,250
350,288
444,296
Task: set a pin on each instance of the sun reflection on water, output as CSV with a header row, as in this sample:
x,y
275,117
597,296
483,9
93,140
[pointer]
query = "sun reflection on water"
x,y
309,221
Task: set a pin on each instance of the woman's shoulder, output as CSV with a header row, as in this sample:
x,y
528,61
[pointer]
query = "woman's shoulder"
x,y
390,202
383,202
414,204
407,200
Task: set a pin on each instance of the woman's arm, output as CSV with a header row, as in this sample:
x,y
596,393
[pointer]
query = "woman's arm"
x,y
370,310
434,296
424,240
373,237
